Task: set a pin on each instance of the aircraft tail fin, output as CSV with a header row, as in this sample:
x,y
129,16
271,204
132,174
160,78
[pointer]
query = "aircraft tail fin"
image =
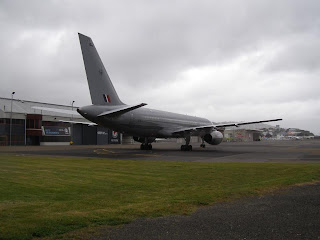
x,y
101,88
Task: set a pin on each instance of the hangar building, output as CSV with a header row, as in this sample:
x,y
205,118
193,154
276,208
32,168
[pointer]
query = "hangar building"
x,y
30,126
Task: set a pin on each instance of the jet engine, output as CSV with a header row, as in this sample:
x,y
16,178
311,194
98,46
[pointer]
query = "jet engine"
x,y
143,139
213,138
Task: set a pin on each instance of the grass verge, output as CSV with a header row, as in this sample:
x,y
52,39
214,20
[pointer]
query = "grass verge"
x,y
47,196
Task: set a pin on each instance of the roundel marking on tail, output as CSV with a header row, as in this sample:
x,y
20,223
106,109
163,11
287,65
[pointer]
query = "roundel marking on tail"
x,y
106,98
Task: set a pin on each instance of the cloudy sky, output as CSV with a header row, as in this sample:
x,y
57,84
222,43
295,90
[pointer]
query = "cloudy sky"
x,y
224,60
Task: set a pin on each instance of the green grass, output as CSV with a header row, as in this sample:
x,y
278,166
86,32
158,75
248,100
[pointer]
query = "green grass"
x,y
47,196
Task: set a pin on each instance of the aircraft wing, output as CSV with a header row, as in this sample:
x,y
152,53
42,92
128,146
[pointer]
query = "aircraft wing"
x,y
208,127
193,129
245,123
121,110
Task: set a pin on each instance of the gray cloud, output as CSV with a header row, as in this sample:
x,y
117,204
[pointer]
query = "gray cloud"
x,y
149,46
300,54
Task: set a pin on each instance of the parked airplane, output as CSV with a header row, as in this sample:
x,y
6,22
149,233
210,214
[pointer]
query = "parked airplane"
x,y
144,124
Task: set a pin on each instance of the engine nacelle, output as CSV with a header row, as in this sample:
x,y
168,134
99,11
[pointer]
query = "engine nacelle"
x,y
143,139
213,138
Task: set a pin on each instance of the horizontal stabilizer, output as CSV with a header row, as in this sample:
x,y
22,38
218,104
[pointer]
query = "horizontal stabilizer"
x,y
90,124
121,110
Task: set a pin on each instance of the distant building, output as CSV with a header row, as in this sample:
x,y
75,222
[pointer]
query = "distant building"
x,y
40,127
242,135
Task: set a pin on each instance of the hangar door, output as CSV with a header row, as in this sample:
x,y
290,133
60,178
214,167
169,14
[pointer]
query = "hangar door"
x,y
76,134
89,135
95,135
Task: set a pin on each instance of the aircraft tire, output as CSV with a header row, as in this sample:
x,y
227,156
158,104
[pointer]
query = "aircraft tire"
x,y
145,147
186,147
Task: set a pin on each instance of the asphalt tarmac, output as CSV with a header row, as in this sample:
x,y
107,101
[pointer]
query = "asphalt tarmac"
x,y
290,214
264,151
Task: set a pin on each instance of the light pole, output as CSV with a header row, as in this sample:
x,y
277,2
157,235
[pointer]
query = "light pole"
x,y
72,110
72,123
11,115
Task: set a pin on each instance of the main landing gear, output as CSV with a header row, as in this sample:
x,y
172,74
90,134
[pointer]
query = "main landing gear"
x,y
186,147
146,146
202,144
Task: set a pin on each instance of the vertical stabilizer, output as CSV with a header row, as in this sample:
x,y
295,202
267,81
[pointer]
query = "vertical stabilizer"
x,y
101,88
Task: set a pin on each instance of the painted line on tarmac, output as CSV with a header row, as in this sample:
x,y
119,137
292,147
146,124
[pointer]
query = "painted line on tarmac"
x,y
105,151
147,155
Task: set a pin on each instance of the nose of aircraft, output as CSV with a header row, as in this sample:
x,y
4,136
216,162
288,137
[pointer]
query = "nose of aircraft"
x,y
83,111
80,111
87,112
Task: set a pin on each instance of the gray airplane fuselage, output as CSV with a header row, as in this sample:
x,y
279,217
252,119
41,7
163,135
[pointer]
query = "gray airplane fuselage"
x,y
144,122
